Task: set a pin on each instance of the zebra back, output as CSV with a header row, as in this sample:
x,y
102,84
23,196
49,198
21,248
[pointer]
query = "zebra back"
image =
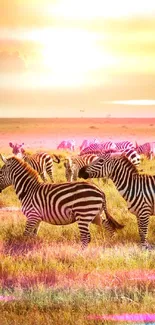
x,y
123,145
97,148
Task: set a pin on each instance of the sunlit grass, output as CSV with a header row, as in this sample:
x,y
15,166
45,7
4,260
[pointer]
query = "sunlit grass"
x,y
51,281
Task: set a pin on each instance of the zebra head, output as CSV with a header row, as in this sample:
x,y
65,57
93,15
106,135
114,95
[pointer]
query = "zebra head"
x,y
17,149
5,178
101,167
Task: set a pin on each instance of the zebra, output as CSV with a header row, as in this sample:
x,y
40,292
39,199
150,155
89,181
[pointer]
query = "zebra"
x,y
137,189
98,147
42,162
123,145
130,153
87,143
147,149
57,204
74,163
67,144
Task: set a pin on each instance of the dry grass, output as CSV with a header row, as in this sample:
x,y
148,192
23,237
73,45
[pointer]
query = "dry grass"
x,y
48,280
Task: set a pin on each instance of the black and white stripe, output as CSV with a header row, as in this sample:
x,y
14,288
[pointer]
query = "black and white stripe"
x,y
131,153
72,165
123,145
58,204
147,149
42,162
138,190
98,147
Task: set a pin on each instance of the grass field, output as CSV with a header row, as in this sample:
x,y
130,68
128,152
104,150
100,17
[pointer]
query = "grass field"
x,y
47,280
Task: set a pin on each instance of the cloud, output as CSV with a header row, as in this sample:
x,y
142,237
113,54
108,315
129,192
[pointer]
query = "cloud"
x,y
11,62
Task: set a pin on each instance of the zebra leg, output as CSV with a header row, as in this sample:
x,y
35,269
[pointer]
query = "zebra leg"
x,y
68,174
50,176
35,230
143,222
43,177
108,227
49,171
84,232
75,175
31,228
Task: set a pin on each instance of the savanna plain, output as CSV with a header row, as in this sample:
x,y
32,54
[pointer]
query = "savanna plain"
x,y
47,279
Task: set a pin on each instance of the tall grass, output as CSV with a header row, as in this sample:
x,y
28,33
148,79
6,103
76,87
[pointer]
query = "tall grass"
x,y
48,280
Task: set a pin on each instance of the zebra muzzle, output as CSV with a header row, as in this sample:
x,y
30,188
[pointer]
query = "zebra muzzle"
x,y
82,173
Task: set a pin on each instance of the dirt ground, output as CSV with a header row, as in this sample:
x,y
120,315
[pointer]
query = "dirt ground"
x,y
48,133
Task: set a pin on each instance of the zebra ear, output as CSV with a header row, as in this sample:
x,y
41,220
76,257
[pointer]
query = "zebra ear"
x,y
136,144
11,144
3,158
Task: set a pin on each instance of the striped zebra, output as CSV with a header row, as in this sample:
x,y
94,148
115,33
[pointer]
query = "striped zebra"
x,y
130,153
147,149
67,144
98,147
58,204
74,163
137,189
123,145
87,143
42,162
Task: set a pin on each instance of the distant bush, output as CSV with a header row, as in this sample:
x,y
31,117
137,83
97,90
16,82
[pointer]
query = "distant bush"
x,y
93,127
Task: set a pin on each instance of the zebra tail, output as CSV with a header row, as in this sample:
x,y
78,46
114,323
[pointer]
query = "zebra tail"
x,y
114,224
57,159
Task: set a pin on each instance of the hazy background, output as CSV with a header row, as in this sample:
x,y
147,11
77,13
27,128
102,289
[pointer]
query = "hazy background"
x,y
77,58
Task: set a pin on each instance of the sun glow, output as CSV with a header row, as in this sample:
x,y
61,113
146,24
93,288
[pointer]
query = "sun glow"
x,y
92,9
70,55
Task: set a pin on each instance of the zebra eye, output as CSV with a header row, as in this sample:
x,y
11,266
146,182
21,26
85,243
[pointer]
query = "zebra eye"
x,y
101,160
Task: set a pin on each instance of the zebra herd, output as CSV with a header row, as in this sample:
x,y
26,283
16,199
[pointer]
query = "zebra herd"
x,y
147,149
41,162
58,204
81,202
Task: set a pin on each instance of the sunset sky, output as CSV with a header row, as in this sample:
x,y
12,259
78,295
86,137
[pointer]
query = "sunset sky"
x,y
77,58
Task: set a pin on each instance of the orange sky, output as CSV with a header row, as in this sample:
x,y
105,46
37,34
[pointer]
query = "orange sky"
x,y
77,58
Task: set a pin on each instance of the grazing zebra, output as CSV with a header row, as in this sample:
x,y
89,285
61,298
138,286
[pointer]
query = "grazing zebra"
x,y
74,163
147,149
58,204
137,189
123,145
87,143
41,162
69,144
98,147
130,153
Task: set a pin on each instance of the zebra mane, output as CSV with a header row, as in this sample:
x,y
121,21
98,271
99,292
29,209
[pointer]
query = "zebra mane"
x,y
27,167
129,163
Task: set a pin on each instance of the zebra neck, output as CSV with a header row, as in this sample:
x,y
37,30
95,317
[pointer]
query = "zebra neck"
x,y
23,183
124,179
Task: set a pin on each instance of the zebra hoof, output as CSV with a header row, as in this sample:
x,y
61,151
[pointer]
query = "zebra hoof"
x,y
148,247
